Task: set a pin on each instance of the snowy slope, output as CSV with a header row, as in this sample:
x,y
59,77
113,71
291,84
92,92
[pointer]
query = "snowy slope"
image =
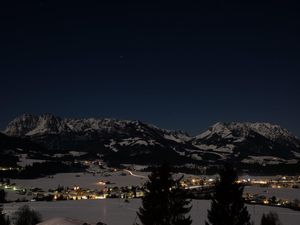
x,y
117,212
61,221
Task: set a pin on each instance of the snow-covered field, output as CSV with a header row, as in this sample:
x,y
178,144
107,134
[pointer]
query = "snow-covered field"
x,y
87,180
84,180
282,193
61,221
117,212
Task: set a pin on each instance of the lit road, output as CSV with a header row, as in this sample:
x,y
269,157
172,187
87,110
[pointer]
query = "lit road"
x,y
135,175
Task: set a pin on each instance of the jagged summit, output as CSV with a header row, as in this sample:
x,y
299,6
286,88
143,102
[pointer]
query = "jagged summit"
x,y
29,125
249,142
129,138
238,129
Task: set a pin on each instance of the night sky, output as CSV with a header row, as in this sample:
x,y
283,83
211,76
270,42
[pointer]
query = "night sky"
x,y
176,65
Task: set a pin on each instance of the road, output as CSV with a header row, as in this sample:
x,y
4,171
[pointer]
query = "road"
x,y
135,175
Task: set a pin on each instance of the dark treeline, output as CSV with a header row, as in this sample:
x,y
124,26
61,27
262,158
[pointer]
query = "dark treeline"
x,y
37,170
8,160
260,169
242,168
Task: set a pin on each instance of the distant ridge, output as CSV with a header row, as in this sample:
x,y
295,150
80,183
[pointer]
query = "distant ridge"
x,y
134,141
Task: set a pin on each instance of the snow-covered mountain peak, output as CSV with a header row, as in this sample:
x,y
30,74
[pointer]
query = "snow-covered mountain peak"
x,y
218,128
271,131
29,125
242,130
21,125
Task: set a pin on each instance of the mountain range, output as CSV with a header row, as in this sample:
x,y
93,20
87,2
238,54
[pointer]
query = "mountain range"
x,y
129,141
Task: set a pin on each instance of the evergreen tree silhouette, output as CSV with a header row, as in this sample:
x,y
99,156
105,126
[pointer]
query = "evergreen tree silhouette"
x,y
227,206
164,203
26,216
270,219
2,196
4,220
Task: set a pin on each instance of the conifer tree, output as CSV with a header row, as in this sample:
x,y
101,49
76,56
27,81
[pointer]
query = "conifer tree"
x,y
26,216
227,206
2,196
4,220
270,219
164,203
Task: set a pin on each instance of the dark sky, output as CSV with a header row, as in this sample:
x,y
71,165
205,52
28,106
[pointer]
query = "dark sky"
x,y
177,65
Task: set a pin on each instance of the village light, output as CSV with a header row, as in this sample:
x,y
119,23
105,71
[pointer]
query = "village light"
x,y
266,201
101,183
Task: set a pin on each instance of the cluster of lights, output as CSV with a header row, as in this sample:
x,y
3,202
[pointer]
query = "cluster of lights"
x,y
101,183
259,182
266,201
4,168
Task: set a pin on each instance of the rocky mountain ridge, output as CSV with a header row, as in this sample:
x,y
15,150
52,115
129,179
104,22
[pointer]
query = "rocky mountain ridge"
x,y
135,141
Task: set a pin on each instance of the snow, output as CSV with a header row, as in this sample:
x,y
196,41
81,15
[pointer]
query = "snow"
x,y
292,161
138,141
38,130
135,166
281,193
24,160
13,196
204,134
135,133
270,131
228,148
142,142
296,154
196,157
130,142
239,140
222,156
206,147
271,160
117,212
182,153
31,125
173,138
59,155
84,180
76,153
218,128
111,145
224,130
61,221
133,141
